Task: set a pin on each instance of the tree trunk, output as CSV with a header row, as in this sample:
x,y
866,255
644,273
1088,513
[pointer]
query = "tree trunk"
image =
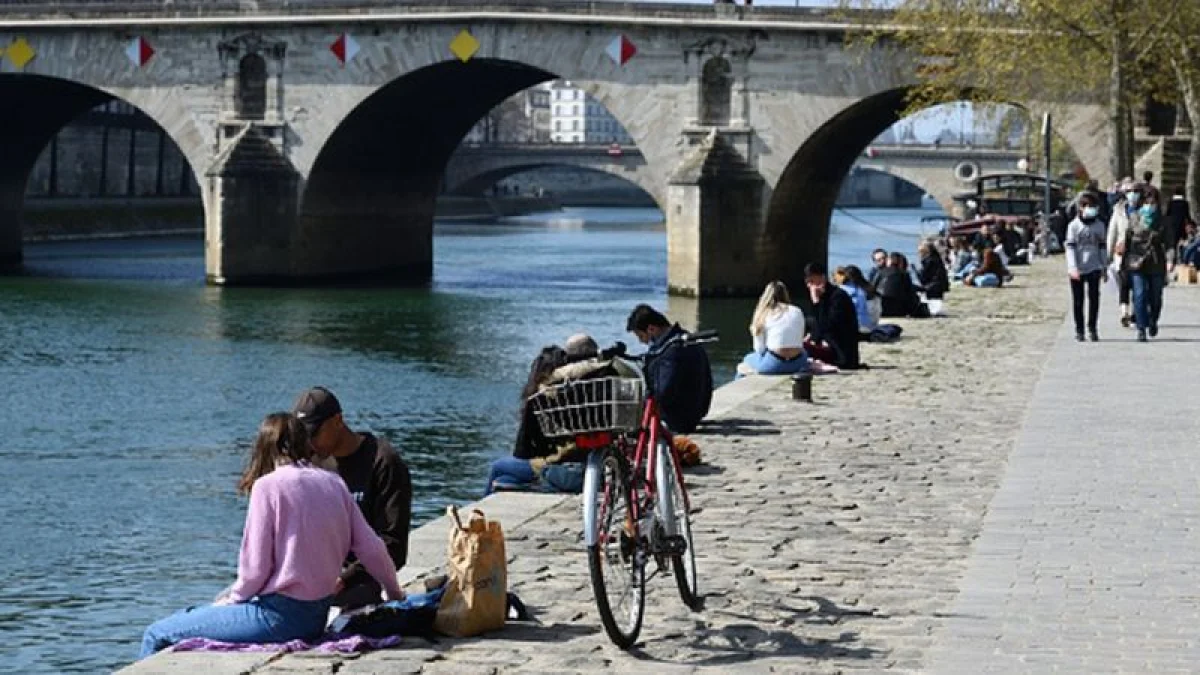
x,y
1189,91
1120,120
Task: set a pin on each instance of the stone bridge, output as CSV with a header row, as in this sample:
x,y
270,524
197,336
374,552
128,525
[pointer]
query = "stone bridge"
x,y
320,130
941,171
473,169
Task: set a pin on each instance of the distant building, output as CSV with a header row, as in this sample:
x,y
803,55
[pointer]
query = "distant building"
x,y
537,112
578,118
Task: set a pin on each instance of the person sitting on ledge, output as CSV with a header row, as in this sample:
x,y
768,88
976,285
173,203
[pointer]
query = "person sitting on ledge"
x,y
301,524
991,273
868,306
777,330
896,287
834,336
376,476
537,462
678,375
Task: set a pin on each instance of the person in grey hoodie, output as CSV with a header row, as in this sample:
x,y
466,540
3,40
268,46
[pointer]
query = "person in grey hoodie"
x,y
1087,262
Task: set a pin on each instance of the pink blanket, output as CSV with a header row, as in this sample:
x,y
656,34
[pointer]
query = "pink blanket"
x,y
349,644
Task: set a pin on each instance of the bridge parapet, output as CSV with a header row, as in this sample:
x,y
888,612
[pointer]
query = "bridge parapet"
x,y
13,12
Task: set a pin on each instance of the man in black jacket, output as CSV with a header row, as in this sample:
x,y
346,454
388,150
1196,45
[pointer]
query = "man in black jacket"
x,y
377,478
834,335
679,376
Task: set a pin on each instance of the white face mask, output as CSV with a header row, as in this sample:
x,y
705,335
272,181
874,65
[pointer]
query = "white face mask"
x,y
1090,212
1132,197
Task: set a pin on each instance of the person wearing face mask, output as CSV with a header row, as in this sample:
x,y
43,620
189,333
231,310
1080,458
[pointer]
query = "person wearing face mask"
x,y
1087,263
1146,263
1125,215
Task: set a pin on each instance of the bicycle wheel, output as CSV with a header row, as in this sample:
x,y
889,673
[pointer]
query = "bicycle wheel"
x,y
617,561
677,524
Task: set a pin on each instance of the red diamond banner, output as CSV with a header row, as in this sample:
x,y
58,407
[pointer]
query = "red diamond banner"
x,y
345,48
620,50
139,51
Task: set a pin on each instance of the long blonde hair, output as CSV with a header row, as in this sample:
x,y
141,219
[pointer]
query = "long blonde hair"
x,y
772,300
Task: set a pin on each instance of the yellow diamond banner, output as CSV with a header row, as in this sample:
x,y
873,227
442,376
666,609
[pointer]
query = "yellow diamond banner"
x,y
20,53
464,45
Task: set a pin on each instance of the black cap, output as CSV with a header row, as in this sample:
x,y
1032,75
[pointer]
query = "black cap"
x,y
315,406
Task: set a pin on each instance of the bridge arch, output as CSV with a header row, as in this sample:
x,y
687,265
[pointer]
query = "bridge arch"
x,y
367,206
802,202
471,175
42,105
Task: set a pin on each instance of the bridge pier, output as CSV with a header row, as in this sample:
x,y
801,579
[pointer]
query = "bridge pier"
x,y
12,200
252,201
716,205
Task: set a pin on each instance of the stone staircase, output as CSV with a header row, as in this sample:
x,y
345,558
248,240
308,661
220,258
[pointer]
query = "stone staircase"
x,y
1166,156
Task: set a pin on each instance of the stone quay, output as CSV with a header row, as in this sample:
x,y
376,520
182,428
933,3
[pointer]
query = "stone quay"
x,y
990,496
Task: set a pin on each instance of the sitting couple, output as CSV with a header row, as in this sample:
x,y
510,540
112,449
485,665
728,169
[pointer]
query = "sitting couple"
x,y
782,345
314,538
678,376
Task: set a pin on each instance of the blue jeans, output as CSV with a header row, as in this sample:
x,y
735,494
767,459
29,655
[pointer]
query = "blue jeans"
x,y
1191,254
266,618
1147,298
767,363
988,280
509,471
518,473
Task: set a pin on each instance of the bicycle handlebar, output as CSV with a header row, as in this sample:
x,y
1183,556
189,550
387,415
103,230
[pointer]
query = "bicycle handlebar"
x,y
686,339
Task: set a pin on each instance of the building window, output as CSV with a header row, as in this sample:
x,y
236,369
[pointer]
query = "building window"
x,y
716,92
250,95
558,125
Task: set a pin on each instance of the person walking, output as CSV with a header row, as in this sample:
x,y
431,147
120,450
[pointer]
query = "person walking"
x,y
1125,215
1146,261
1087,263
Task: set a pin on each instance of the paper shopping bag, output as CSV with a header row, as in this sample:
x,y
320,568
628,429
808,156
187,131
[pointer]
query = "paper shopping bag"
x,y
476,597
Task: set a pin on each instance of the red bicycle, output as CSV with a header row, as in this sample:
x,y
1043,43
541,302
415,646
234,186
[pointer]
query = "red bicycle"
x,y
635,505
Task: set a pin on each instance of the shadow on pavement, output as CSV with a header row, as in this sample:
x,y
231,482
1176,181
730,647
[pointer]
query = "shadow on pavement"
x,y
769,637
735,426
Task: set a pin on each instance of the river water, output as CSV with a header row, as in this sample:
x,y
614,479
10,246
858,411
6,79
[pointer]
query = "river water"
x,y
132,391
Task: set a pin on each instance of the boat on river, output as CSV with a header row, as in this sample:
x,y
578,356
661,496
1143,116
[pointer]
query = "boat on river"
x,y
1011,194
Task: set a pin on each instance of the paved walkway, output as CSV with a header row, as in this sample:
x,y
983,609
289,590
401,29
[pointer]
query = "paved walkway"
x,y
855,533
1089,559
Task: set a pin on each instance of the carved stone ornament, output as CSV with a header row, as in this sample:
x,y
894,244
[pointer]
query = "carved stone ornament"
x,y
233,49
723,46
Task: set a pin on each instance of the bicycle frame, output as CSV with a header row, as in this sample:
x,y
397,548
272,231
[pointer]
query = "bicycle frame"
x,y
650,434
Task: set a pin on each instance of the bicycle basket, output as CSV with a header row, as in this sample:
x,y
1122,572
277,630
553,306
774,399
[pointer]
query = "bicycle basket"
x,y
588,406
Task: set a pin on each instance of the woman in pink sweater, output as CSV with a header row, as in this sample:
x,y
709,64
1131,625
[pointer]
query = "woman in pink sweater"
x,y
301,524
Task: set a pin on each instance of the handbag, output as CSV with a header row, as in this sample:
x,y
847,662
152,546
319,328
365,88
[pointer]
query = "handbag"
x,y
476,593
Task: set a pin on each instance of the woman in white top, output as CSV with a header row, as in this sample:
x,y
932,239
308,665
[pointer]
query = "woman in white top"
x,y
778,333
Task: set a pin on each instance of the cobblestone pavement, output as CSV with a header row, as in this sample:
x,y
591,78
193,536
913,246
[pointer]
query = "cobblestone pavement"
x,y
830,537
1089,559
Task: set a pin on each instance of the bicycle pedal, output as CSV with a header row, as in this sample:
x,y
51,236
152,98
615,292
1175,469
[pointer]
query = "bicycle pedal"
x,y
674,545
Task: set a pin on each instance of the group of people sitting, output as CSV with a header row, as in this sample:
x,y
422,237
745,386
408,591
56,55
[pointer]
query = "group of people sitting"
x,y
678,376
979,263
330,508
327,526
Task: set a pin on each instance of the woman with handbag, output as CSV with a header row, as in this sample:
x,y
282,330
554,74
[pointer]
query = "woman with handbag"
x,y
1145,261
